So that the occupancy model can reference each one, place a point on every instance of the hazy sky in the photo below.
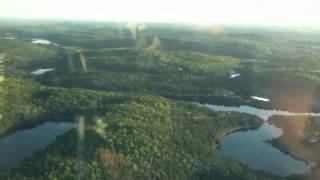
(279, 12)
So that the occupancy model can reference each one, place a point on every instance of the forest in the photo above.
(137, 91)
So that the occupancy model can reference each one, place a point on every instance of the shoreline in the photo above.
(31, 124)
(232, 130)
(275, 144)
(313, 165)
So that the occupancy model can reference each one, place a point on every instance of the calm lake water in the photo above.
(22, 144)
(251, 145)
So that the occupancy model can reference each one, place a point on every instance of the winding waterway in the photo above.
(265, 114)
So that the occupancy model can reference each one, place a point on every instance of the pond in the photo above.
(40, 41)
(43, 42)
(42, 71)
(260, 98)
(234, 75)
(24, 143)
(252, 146)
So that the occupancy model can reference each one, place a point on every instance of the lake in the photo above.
(252, 146)
(24, 143)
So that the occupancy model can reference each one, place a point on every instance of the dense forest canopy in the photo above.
(139, 88)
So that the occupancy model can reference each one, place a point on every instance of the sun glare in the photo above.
(278, 12)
